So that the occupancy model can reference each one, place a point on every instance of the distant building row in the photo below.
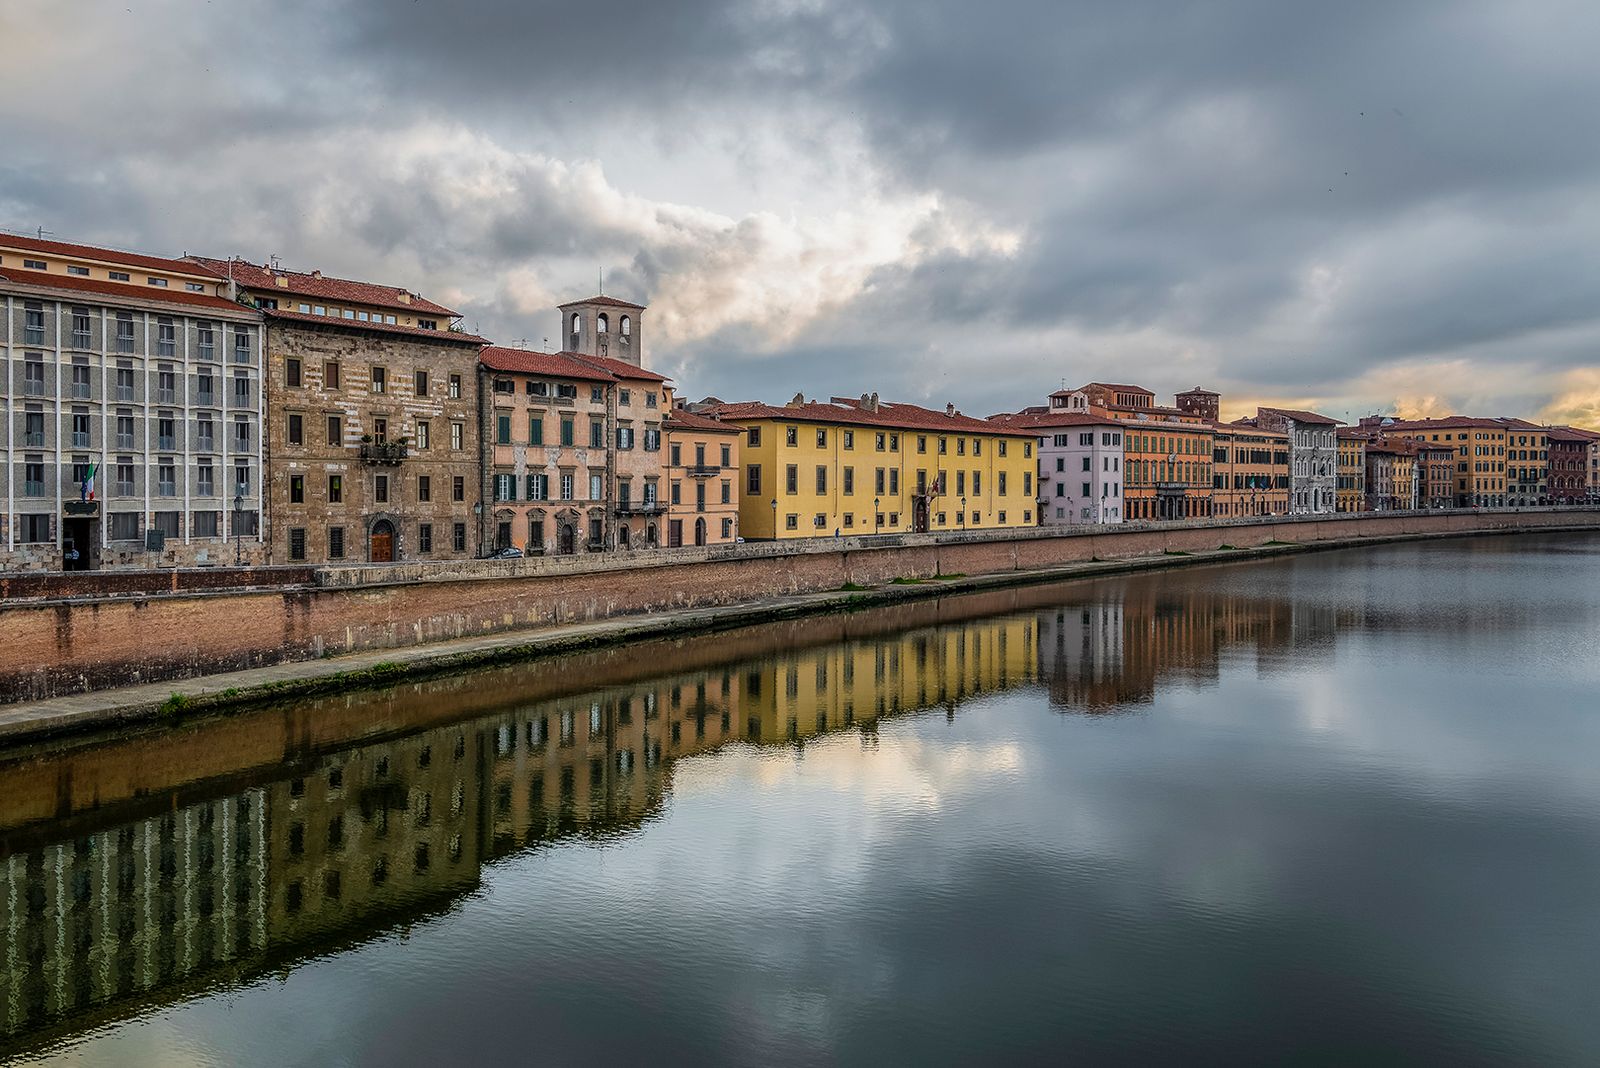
(167, 412)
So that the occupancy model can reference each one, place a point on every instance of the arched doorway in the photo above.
(622, 536)
(380, 543)
(699, 531)
(650, 537)
(566, 539)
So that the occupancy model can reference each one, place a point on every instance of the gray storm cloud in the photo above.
(1363, 206)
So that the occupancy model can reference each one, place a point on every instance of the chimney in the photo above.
(280, 281)
(403, 297)
(950, 410)
(799, 399)
(317, 275)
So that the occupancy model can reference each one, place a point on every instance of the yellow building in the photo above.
(1250, 471)
(869, 467)
(1351, 493)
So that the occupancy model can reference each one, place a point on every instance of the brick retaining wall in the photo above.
(71, 646)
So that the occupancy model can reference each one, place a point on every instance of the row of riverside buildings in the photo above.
(197, 411)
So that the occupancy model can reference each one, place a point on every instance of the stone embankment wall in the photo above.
(61, 646)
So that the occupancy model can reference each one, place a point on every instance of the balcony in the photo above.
(640, 508)
(390, 453)
(703, 470)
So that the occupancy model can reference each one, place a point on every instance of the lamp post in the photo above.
(876, 517)
(774, 519)
(962, 515)
(238, 514)
(477, 521)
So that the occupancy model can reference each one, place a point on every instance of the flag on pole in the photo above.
(86, 488)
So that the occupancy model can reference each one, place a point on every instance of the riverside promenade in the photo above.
(879, 575)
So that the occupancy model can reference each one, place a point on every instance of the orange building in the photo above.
(1480, 447)
(1250, 471)
(702, 479)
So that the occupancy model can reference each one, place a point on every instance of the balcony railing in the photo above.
(640, 508)
(384, 452)
(704, 470)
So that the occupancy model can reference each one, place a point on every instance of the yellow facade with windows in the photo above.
(863, 467)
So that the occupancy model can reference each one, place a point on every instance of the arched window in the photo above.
(577, 331)
(602, 324)
(626, 325)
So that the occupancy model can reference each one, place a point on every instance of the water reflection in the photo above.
(152, 868)
(146, 869)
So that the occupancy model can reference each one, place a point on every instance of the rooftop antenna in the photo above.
(521, 342)
(602, 281)
(272, 258)
(41, 231)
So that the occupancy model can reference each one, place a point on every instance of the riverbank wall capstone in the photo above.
(59, 646)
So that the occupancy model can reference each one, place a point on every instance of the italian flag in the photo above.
(86, 489)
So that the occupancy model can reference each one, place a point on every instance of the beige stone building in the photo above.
(372, 432)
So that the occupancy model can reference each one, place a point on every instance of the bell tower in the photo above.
(604, 326)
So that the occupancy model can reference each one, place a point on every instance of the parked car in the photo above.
(510, 552)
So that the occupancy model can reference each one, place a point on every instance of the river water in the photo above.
(1340, 808)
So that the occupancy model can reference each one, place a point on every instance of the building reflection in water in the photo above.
(149, 868)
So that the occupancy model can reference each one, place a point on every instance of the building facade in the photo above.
(1250, 471)
(1480, 454)
(863, 466)
(132, 397)
(702, 479)
(1392, 476)
(1527, 463)
(1080, 466)
(371, 431)
(1351, 493)
(1313, 457)
(1167, 452)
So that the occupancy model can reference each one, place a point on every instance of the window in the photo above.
(753, 435)
(752, 483)
(166, 431)
(455, 387)
(791, 479)
(166, 479)
(505, 487)
(33, 375)
(727, 456)
(335, 431)
(380, 380)
(241, 345)
(566, 485)
(459, 537)
(335, 489)
(792, 521)
(33, 477)
(336, 543)
(80, 429)
(597, 394)
(623, 396)
(330, 374)
(677, 493)
(727, 492)
(596, 487)
(291, 372)
(419, 383)
(424, 434)
(33, 323)
(205, 479)
(822, 438)
(535, 428)
(297, 543)
(502, 430)
(119, 276)
(241, 434)
(425, 537)
(124, 331)
(597, 434)
(296, 432)
(566, 431)
(849, 480)
(791, 436)
(380, 489)
(458, 488)
(538, 487)
(205, 524)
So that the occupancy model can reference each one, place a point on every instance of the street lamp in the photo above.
(962, 515)
(477, 521)
(774, 519)
(238, 514)
(876, 516)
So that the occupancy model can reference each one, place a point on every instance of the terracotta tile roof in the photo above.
(610, 302)
(124, 291)
(1447, 422)
(1572, 433)
(678, 419)
(70, 251)
(1301, 416)
(1239, 426)
(262, 279)
(620, 368)
(550, 364)
(443, 337)
(1114, 387)
(889, 416)
(1043, 420)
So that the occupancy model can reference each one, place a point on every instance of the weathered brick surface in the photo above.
(56, 647)
(55, 584)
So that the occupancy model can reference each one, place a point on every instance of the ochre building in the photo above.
(864, 466)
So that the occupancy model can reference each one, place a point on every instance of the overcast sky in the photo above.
(1352, 206)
